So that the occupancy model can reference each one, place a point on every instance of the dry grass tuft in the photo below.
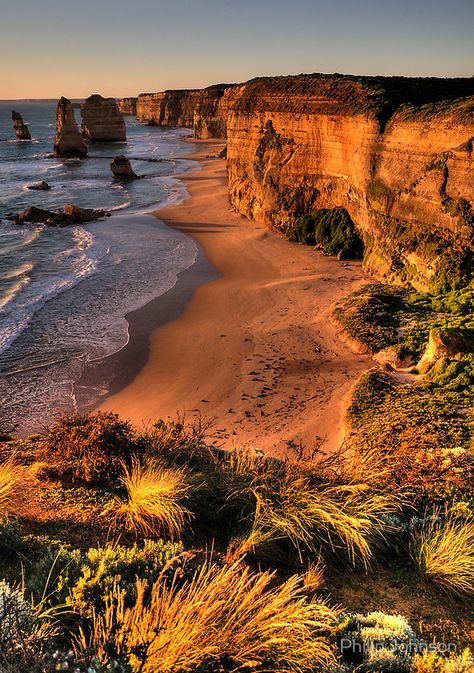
(155, 496)
(344, 517)
(226, 615)
(14, 480)
(444, 552)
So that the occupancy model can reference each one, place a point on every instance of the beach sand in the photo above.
(255, 347)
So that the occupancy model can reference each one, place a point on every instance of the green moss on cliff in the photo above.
(446, 254)
(405, 416)
(332, 229)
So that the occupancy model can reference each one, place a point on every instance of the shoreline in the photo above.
(254, 348)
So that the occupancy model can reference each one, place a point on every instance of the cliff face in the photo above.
(101, 119)
(67, 141)
(396, 153)
(205, 110)
(128, 106)
(168, 108)
(210, 112)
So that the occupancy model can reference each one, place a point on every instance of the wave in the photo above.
(24, 298)
(20, 271)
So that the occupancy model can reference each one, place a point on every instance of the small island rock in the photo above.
(122, 168)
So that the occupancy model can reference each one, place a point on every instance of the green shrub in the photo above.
(90, 447)
(84, 579)
(368, 395)
(376, 641)
(332, 229)
(16, 617)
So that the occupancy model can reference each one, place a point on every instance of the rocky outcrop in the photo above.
(210, 112)
(395, 153)
(442, 343)
(128, 106)
(122, 169)
(70, 214)
(21, 129)
(68, 142)
(101, 120)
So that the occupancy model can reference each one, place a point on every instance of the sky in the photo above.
(50, 48)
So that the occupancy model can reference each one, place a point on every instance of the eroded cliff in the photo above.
(128, 106)
(168, 108)
(204, 110)
(396, 153)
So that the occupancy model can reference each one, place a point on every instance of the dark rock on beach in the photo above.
(40, 186)
(69, 215)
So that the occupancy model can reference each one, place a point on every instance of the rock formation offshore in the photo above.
(68, 142)
(102, 120)
(21, 129)
(122, 169)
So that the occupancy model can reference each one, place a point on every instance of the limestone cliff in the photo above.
(210, 112)
(128, 106)
(67, 141)
(21, 129)
(168, 108)
(202, 109)
(102, 120)
(396, 153)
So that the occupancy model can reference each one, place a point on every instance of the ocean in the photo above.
(64, 293)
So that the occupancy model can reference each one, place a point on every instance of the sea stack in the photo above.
(21, 129)
(122, 169)
(101, 119)
(68, 142)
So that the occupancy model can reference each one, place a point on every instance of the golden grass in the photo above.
(344, 517)
(13, 483)
(226, 614)
(444, 552)
(155, 495)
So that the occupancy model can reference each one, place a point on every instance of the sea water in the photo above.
(65, 292)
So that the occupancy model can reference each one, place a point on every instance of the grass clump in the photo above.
(90, 448)
(443, 552)
(286, 505)
(154, 504)
(332, 229)
(227, 617)
(13, 483)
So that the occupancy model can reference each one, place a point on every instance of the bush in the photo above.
(443, 552)
(222, 619)
(90, 448)
(332, 229)
(430, 662)
(16, 618)
(84, 579)
(376, 641)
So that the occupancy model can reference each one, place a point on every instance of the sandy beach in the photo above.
(254, 346)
